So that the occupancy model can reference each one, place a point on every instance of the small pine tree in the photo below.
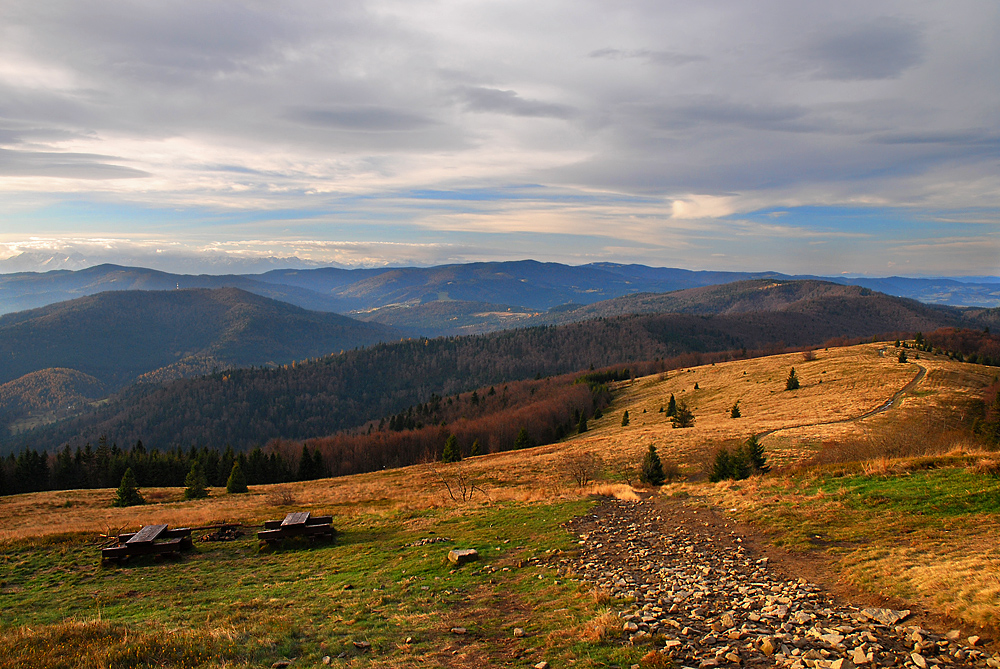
(474, 450)
(792, 383)
(735, 411)
(524, 439)
(237, 482)
(696, 385)
(722, 467)
(902, 355)
(581, 427)
(683, 416)
(195, 482)
(451, 452)
(755, 454)
(625, 418)
(652, 469)
(128, 492)
(672, 406)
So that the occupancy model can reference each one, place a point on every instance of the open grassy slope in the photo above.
(917, 527)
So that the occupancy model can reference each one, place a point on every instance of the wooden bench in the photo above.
(297, 524)
(150, 540)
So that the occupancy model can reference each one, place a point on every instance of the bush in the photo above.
(651, 472)
(746, 460)
(128, 491)
(195, 482)
(237, 482)
(683, 416)
(902, 356)
(792, 383)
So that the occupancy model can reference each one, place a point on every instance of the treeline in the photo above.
(104, 465)
(975, 346)
(249, 407)
(516, 415)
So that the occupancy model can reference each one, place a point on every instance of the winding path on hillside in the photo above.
(892, 402)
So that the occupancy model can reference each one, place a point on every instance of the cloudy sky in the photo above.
(804, 137)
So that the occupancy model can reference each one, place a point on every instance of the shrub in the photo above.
(128, 492)
(743, 462)
(584, 468)
(792, 382)
(651, 472)
(902, 356)
(195, 482)
(237, 481)
(683, 416)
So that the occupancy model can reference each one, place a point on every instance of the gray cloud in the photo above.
(882, 48)
(368, 118)
(63, 165)
(300, 106)
(658, 57)
(498, 101)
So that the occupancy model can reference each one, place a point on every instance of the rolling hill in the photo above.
(118, 336)
(248, 407)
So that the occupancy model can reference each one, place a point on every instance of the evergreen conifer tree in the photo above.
(755, 454)
(902, 355)
(195, 482)
(652, 468)
(735, 411)
(722, 467)
(792, 383)
(625, 418)
(128, 492)
(524, 439)
(237, 482)
(672, 406)
(451, 452)
(581, 427)
(683, 416)
(474, 449)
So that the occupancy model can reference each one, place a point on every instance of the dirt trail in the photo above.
(891, 403)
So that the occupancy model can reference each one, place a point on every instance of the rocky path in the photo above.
(698, 594)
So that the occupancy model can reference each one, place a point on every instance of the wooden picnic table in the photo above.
(297, 524)
(149, 540)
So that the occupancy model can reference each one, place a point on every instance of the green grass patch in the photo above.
(831, 508)
(232, 604)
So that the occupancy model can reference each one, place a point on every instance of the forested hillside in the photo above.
(247, 407)
(118, 336)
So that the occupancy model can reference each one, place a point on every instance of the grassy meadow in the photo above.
(904, 502)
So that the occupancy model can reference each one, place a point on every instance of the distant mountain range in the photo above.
(455, 293)
(158, 335)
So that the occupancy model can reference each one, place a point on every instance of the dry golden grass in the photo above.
(957, 570)
(840, 383)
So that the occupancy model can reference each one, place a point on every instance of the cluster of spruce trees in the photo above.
(105, 465)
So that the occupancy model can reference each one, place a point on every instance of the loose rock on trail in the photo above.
(697, 594)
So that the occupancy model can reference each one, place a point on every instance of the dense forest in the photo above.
(517, 415)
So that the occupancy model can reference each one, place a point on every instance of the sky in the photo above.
(800, 137)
